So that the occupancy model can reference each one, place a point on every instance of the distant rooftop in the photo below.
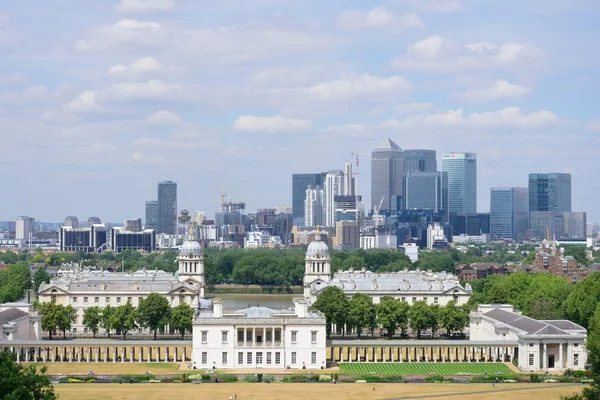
(387, 144)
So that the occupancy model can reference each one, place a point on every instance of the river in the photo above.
(240, 301)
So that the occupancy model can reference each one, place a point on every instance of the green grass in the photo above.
(424, 368)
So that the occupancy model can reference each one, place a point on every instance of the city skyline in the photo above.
(121, 97)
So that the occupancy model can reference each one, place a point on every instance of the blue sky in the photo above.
(101, 99)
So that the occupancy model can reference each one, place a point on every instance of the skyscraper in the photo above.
(314, 212)
(420, 160)
(387, 174)
(300, 182)
(426, 191)
(72, 222)
(334, 186)
(549, 192)
(151, 214)
(509, 212)
(24, 227)
(167, 207)
(349, 188)
(462, 181)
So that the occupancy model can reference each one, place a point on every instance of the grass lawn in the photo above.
(423, 368)
(312, 391)
(111, 368)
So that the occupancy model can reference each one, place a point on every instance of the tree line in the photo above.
(360, 313)
(153, 313)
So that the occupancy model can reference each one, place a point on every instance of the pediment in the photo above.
(49, 290)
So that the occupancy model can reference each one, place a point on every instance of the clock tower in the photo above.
(317, 267)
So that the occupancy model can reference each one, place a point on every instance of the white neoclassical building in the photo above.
(86, 287)
(552, 345)
(259, 337)
(410, 286)
(19, 321)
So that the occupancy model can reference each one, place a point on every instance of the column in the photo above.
(426, 351)
(70, 355)
(167, 354)
(560, 355)
(400, 355)
(545, 355)
(141, 354)
(149, 354)
(569, 356)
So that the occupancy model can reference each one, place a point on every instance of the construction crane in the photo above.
(223, 193)
(357, 157)
(376, 212)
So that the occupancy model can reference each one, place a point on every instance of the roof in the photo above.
(387, 144)
(262, 312)
(529, 325)
(11, 314)
(565, 325)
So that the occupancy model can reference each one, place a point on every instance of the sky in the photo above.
(102, 99)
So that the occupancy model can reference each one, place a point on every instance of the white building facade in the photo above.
(20, 321)
(552, 345)
(259, 337)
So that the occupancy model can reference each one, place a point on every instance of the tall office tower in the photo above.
(349, 188)
(93, 221)
(72, 222)
(167, 208)
(334, 186)
(426, 191)
(509, 213)
(387, 175)
(300, 182)
(549, 192)
(420, 160)
(151, 221)
(557, 225)
(133, 225)
(462, 181)
(24, 227)
(313, 206)
(89, 240)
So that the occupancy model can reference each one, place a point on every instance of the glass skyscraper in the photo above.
(167, 208)
(420, 160)
(301, 182)
(549, 192)
(387, 174)
(509, 212)
(151, 214)
(462, 181)
(426, 191)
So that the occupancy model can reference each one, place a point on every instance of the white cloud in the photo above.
(154, 89)
(144, 6)
(437, 6)
(276, 124)
(4, 19)
(593, 126)
(352, 86)
(12, 79)
(437, 55)
(347, 129)
(125, 34)
(140, 68)
(498, 90)
(83, 103)
(510, 117)
(412, 108)
(378, 17)
(147, 158)
(164, 118)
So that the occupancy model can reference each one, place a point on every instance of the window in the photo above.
(74, 299)
(530, 344)
(96, 299)
(107, 300)
(293, 357)
(269, 336)
(277, 358)
(313, 357)
(294, 336)
(249, 336)
(414, 299)
(74, 330)
(204, 357)
(575, 359)
(576, 344)
(435, 300)
(85, 299)
(224, 336)
(313, 336)
(204, 336)
(240, 358)
(277, 335)
(425, 299)
(249, 358)
(129, 299)
(531, 359)
(269, 358)
(118, 299)
(404, 299)
(259, 357)
(224, 358)
(85, 329)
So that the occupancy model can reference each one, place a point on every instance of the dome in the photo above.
(317, 247)
(190, 247)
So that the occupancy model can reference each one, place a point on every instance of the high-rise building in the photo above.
(300, 182)
(167, 207)
(72, 222)
(151, 214)
(509, 213)
(88, 240)
(557, 225)
(334, 186)
(347, 235)
(123, 239)
(24, 227)
(549, 192)
(314, 210)
(462, 181)
(387, 174)
(133, 225)
(420, 161)
(470, 224)
(93, 221)
(426, 191)
(349, 188)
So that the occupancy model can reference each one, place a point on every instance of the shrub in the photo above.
(569, 372)
(325, 378)
(196, 377)
(534, 378)
(153, 381)
(568, 379)
(268, 378)
(250, 379)
(228, 378)
(301, 378)
(579, 374)
(434, 378)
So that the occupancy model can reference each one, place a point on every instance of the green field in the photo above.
(424, 368)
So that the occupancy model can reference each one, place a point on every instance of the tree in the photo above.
(392, 314)
(579, 253)
(123, 319)
(50, 316)
(182, 318)
(18, 382)
(420, 317)
(362, 312)
(583, 300)
(452, 318)
(40, 276)
(154, 312)
(66, 317)
(92, 318)
(543, 309)
(332, 302)
(435, 321)
(107, 315)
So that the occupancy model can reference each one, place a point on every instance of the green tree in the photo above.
(50, 316)
(435, 321)
(107, 319)
(18, 382)
(66, 317)
(332, 302)
(92, 319)
(362, 312)
(182, 318)
(419, 317)
(392, 314)
(453, 319)
(154, 312)
(123, 319)
(578, 253)
(583, 300)
(40, 276)
(353, 261)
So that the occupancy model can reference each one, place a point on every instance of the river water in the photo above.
(240, 301)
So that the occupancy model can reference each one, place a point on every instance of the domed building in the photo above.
(317, 267)
(191, 264)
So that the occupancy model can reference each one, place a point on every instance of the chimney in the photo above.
(300, 307)
(217, 308)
